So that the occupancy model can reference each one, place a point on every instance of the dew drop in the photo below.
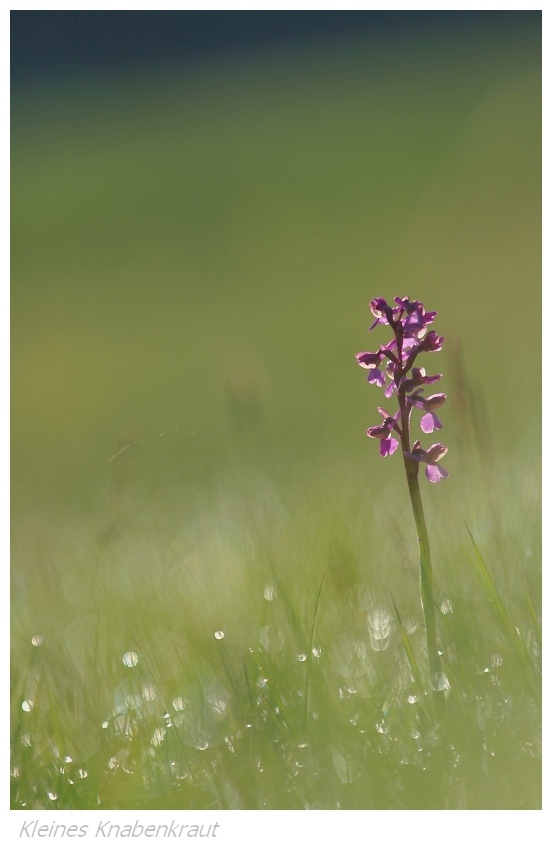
(219, 707)
(130, 659)
(264, 637)
(219, 635)
(379, 626)
(301, 657)
(158, 737)
(149, 693)
(269, 593)
(52, 795)
(27, 705)
(440, 682)
(37, 640)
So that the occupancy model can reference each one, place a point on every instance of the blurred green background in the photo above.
(197, 250)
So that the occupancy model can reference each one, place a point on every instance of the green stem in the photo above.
(426, 569)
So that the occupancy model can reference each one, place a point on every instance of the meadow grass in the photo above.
(229, 615)
(261, 645)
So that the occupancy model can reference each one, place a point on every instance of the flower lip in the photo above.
(434, 471)
(376, 376)
(388, 444)
(415, 322)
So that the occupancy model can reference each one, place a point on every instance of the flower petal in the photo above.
(434, 472)
(427, 423)
(388, 446)
(376, 376)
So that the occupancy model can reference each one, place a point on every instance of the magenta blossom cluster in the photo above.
(392, 366)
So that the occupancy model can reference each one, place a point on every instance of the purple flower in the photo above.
(388, 444)
(429, 421)
(407, 305)
(408, 349)
(431, 342)
(418, 378)
(392, 369)
(371, 360)
(434, 471)
(382, 311)
(416, 321)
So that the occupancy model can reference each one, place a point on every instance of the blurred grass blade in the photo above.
(409, 652)
(532, 612)
(492, 593)
(310, 655)
(518, 643)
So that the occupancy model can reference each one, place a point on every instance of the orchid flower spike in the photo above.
(392, 368)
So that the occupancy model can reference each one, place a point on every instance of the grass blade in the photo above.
(409, 652)
(518, 644)
(310, 656)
